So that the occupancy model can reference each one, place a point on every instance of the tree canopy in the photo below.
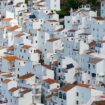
(67, 4)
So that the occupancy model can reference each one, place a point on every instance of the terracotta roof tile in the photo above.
(19, 35)
(102, 102)
(53, 39)
(50, 13)
(47, 66)
(11, 28)
(99, 18)
(92, 44)
(50, 81)
(52, 21)
(11, 58)
(13, 89)
(6, 81)
(67, 87)
(26, 76)
(26, 46)
(6, 19)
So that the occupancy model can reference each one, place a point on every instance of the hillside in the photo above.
(67, 4)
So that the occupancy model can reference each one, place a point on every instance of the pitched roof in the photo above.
(50, 81)
(25, 91)
(67, 87)
(50, 13)
(11, 28)
(19, 35)
(26, 76)
(53, 39)
(6, 19)
(11, 58)
(10, 48)
(13, 89)
(84, 34)
(26, 46)
(92, 44)
(52, 21)
(47, 66)
(6, 81)
(102, 102)
(101, 41)
(99, 18)
(95, 60)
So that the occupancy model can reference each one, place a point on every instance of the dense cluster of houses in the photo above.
(48, 61)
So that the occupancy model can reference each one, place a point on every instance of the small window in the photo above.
(28, 58)
(60, 94)
(18, 69)
(64, 96)
(93, 66)
(77, 94)
(77, 102)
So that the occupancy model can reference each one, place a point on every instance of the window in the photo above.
(58, 86)
(59, 70)
(89, 66)
(64, 96)
(88, 72)
(18, 69)
(102, 4)
(77, 94)
(93, 75)
(94, 66)
(34, 51)
(1, 79)
(60, 94)
(77, 102)
(88, 81)
(33, 66)
(78, 21)
(18, 75)
(35, 34)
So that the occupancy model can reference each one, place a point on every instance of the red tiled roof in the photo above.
(26, 76)
(11, 58)
(50, 81)
(26, 46)
(6, 81)
(53, 39)
(6, 19)
(13, 89)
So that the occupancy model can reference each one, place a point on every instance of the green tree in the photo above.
(67, 4)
